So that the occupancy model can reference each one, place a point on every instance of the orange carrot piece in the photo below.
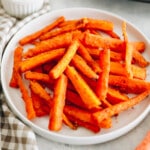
(128, 85)
(41, 108)
(41, 92)
(138, 45)
(67, 22)
(128, 59)
(53, 43)
(83, 67)
(30, 38)
(145, 143)
(114, 56)
(103, 25)
(87, 95)
(117, 68)
(106, 123)
(86, 125)
(58, 69)
(40, 59)
(73, 98)
(27, 99)
(78, 113)
(68, 122)
(81, 117)
(118, 108)
(124, 32)
(114, 96)
(139, 59)
(68, 28)
(83, 51)
(97, 41)
(17, 60)
(56, 113)
(102, 83)
(38, 77)
(112, 34)
(138, 72)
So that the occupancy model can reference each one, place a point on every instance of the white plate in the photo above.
(121, 125)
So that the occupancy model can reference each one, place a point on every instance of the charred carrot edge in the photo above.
(29, 38)
(88, 97)
(116, 109)
(40, 59)
(17, 60)
(58, 69)
(56, 113)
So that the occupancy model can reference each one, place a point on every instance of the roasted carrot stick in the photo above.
(87, 95)
(27, 99)
(80, 114)
(79, 63)
(17, 59)
(64, 29)
(37, 76)
(114, 96)
(128, 85)
(68, 122)
(40, 59)
(97, 41)
(58, 69)
(117, 68)
(138, 45)
(102, 83)
(139, 59)
(116, 109)
(39, 90)
(53, 43)
(41, 108)
(80, 123)
(83, 51)
(114, 56)
(103, 25)
(56, 113)
(35, 35)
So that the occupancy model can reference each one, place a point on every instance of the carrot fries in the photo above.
(80, 73)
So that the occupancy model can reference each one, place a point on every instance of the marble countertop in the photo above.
(137, 13)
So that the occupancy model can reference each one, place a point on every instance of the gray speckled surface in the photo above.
(137, 13)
